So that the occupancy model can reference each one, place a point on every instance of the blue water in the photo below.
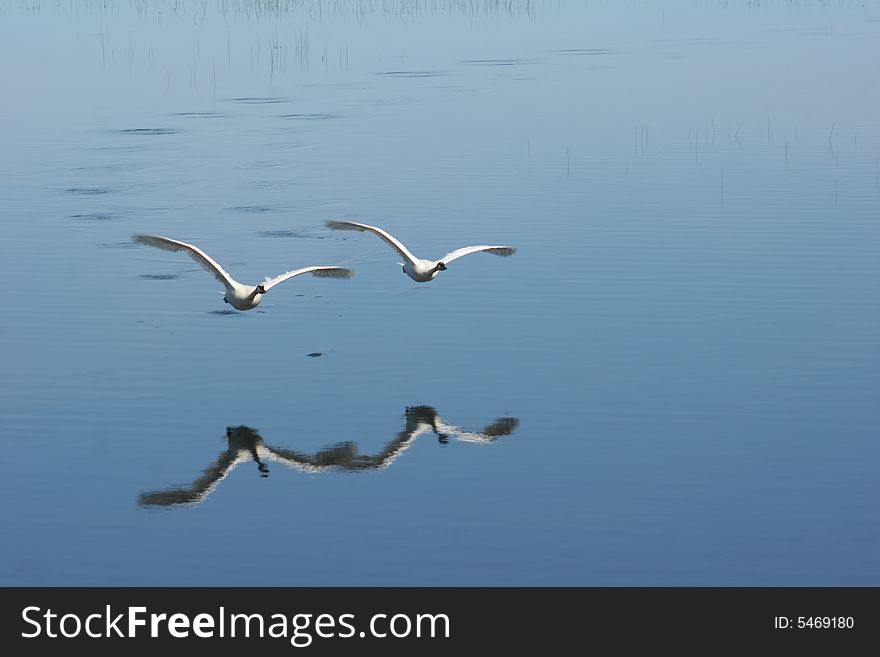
(673, 381)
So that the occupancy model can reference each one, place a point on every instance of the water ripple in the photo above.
(160, 277)
(149, 131)
(497, 62)
(253, 209)
(260, 100)
(95, 216)
(317, 116)
(413, 74)
(585, 51)
(199, 115)
(88, 191)
(290, 234)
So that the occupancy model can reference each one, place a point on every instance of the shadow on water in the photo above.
(245, 444)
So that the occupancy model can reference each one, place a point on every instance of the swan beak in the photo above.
(441, 266)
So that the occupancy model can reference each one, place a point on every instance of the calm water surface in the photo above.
(674, 380)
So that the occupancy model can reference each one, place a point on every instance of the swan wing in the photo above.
(501, 427)
(337, 456)
(391, 452)
(207, 262)
(322, 272)
(389, 239)
(467, 250)
(201, 488)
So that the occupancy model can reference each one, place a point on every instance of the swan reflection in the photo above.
(245, 444)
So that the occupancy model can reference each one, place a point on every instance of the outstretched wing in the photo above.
(501, 427)
(389, 239)
(337, 456)
(202, 487)
(467, 250)
(207, 262)
(322, 272)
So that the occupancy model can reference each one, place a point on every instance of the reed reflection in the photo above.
(245, 444)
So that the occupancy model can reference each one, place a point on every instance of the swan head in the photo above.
(260, 289)
(441, 266)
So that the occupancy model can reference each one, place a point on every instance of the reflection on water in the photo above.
(245, 444)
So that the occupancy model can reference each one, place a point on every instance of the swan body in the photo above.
(420, 269)
(238, 295)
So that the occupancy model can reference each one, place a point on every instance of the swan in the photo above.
(238, 295)
(419, 269)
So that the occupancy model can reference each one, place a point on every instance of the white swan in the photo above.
(419, 269)
(238, 295)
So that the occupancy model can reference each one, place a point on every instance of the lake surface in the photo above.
(674, 381)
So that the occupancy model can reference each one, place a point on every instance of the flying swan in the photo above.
(238, 295)
(418, 269)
